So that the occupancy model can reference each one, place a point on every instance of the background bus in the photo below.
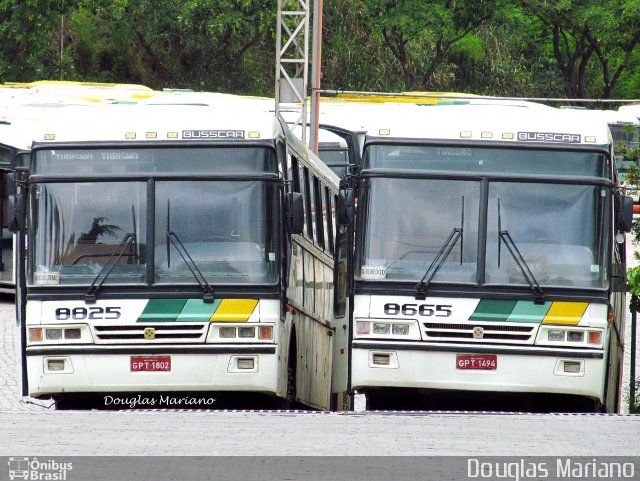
(489, 255)
(178, 249)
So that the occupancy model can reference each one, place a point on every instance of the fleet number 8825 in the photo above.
(427, 310)
(78, 313)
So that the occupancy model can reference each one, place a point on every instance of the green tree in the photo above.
(30, 33)
(593, 41)
(421, 34)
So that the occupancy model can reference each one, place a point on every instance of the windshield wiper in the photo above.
(92, 293)
(456, 234)
(173, 239)
(504, 236)
(207, 291)
(538, 293)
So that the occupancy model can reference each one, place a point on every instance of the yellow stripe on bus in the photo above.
(234, 310)
(568, 313)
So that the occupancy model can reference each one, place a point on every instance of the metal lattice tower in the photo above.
(292, 57)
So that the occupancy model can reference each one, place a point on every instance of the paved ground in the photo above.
(135, 433)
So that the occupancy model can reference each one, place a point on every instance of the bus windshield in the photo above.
(408, 221)
(409, 225)
(227, 227)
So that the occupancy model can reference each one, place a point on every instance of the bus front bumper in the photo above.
(521, 369)
(55, 370)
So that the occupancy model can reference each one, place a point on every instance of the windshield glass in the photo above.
(79, 227)
(558, 229)
(226, 227)
(408, 221)
(337, 159)
(487, 160)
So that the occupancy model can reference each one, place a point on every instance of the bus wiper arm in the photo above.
(207, 291)
(445, 250)
(538, 293)
(92, 293)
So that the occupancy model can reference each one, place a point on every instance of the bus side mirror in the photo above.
(346, 207)
(10, 183)
(15, 212)
(296, 213)
(625, 214)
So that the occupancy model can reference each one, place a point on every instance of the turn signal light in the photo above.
(265, 332)
(595, 337)
(35, 334)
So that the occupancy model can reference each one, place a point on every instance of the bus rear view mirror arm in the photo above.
(346, 206)
(15, 212)
(625, 214)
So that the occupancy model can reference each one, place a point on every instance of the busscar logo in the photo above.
(554, 137)
(34, 469)
(212, 134)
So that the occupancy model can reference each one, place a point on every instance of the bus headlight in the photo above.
(59, 335)
(387, 329)
(241, 333)
(573, 337)
(556, 336)
(400, 329)
(381, 328)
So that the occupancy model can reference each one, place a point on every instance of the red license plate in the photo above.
(487, 362)
(156, 363)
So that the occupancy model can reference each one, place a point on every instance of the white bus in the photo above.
(489, 254)
(175, 250)
(22, 110)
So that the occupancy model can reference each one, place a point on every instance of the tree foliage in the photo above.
(574, 48)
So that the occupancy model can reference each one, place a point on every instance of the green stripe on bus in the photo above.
(492, 310)
(195, 310)
(528, 311)
(162, 310)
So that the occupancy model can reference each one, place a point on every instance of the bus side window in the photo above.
(340, 272)
(328, 225)
(303, 190)
(319, 211)
(333, 205)
(294, 174)
(308, 206)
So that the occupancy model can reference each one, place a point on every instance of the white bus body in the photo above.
(162, 258)
(486, 255)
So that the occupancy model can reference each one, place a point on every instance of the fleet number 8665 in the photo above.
(427, 310)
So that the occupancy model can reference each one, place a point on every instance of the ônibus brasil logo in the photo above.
(34, 469)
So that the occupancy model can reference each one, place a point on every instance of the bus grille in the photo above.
(133, 333)
(494, 333)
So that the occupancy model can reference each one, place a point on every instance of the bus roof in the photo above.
(167, 122)
(481, 122)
